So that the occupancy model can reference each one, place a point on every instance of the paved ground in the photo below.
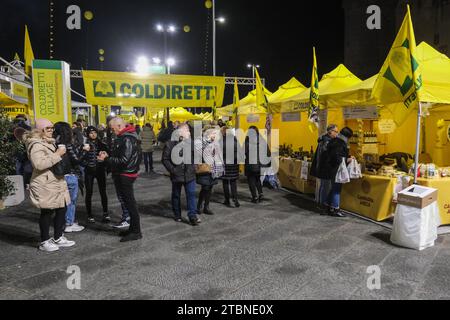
(276, 250)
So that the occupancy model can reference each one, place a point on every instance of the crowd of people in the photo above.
(64, 160)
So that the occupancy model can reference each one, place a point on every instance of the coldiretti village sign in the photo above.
(158, 91)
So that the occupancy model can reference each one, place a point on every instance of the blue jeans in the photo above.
(324, 191)
(189, 188)
(72, 184)
(334, 198)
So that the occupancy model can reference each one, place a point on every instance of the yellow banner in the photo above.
(14, 110)
(103, 113)
(157, 91)
(52, 99)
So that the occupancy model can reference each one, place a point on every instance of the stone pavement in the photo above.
(280, 249)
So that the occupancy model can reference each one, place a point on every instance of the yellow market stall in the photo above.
(297, 140)
(374, 195)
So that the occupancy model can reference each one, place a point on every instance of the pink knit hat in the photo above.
(41, 124)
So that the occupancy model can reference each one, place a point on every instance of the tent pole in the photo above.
(416, 162)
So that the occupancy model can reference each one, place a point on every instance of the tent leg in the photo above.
(416, 161)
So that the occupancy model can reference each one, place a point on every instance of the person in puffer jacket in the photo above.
(95, 170)
(48, 192)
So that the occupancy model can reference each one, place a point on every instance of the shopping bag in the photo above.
(342, 175)
(305, 170)
(354, 170)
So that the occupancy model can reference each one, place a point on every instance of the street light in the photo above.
(170, 63)
(220, 20)
(142, 66)
(156, 60)
(253, 66)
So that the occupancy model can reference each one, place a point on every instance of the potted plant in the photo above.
(8, 151)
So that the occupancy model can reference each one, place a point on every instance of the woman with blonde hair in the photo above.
(48, 188)
(210, 152)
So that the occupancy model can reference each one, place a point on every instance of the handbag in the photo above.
(342, 175)
(203, 168)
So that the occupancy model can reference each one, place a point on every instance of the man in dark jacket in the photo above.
(124, 161)
(319, 165)
(178, 159)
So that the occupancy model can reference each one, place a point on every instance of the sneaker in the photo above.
(236, 203)
(131, 237)
(106, 218)
(254, 200)
(178, 220)
(48, 246)
(336, 213)
(122, 225)
(194, 221)
(91, 220)
(261, 198)
(227, 203)
(73, 228)
(63, 242)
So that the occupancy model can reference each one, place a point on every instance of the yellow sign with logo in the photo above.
(14, 110)
(51, 90)
(156, 91)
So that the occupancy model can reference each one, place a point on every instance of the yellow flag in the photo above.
(235, 98)
(314, 103)
(400, 79)
(28, 52)
(261, 99)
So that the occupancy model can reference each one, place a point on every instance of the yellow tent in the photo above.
(335, 81)
(436, 82)
(291, 88)
(178, 114)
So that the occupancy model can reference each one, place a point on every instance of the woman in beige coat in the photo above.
(47, 191)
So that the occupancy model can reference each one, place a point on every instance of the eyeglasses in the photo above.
(50, 128)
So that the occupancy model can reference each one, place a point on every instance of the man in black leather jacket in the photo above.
(182, 173)
(124, 162)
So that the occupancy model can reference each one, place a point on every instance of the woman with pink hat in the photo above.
(48, 189)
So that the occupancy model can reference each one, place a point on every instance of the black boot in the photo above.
(236, 203)
(207, 199)
(200, 202)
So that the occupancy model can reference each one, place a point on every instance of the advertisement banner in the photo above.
(157, 91)
(51, 91)
(370, 113)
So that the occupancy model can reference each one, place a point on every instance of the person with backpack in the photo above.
(48, 188)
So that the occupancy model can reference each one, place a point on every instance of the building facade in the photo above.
(365, 49)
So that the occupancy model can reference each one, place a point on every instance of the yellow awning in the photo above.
(357, 95)
(247, 105)
(337, 80)
(6, 100)
(291, 88)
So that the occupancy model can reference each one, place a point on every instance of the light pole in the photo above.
(253, 66)
(220, 20)
(165, 30)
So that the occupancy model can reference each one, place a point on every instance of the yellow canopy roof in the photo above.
(247, 105)
(291, 88)
(6, 100)
(337, 80)
(436, 82)
(178, 114)
(357, 95)
(435, 74)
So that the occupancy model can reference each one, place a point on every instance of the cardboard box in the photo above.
(417, 196)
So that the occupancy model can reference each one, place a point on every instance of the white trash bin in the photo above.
(416, 223)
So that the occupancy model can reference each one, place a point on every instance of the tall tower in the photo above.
(365, 50)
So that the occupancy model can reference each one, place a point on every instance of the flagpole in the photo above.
(416, 161)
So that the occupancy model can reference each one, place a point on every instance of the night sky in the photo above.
(278, 35)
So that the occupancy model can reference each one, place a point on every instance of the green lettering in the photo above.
(176, 92)
(208, 92)
(199, 91)
(125, 89)
(147, 92)
(159, 91)
(138, 90)
(168, 91)
(188, 93)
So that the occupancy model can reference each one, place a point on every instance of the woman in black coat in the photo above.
(254, 145)
(337, 149)
(230, 159)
